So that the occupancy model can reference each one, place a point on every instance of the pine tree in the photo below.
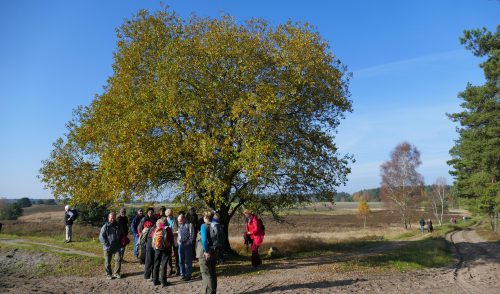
(476, 154)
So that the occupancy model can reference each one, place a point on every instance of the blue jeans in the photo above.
(136, 245)
(185, 259)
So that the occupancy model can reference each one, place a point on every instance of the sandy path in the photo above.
(477, 271)
(22, 242)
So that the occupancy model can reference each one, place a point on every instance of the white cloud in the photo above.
(404, 64)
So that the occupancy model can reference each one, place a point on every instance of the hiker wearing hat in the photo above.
(135, 231)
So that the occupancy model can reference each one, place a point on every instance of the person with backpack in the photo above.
(206, 255)
(146, 251)
(162, 245)
(135, 231)
(70, 216)
(185, 240)
(255, 231)
(219, 237)
(171, 222)
(109, 237)
(122, 221)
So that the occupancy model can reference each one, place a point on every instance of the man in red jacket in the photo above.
(255, 232)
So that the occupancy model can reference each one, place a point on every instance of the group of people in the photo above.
(162, 241)
(422, 224)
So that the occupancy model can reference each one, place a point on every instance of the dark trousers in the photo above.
(142, 255)
(256, 261)
(161, 258)
(208, 275)
(171, 260)
(149, 262)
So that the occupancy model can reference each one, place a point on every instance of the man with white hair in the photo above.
(69, 217)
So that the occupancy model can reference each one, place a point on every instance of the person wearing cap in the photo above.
(69, 217)
(134, 228)
(122, 221)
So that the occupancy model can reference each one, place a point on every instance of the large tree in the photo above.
(476, 154)
(402, 185)
(230, 114)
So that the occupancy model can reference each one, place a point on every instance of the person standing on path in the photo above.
(110, 240)
(206, 256)
(147, 253)
(69, 218)
(134, 228)
(192, 218)
(421, 222)
(255, 231)
(162, 244)
(185, 240)
(122, 221)
(172, 223)
(430, 228)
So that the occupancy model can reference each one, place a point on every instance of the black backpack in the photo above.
(75, 214)
(217, 235)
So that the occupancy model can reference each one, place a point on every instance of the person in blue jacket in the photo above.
(133, 228)
(206, 255)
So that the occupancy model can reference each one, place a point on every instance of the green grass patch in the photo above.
(56, 263)
(428, 253)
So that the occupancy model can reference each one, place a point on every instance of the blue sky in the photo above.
(407, 64)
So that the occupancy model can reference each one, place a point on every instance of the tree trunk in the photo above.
(225, 220)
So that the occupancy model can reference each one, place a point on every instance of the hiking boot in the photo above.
(109, 277)
(156, 283)
(165, 284)
(118, 276)
(186, 278)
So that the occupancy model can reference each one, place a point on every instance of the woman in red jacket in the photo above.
(254, 230)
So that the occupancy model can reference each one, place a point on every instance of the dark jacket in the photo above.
(148, 221)
(123, 223)
(110, 236)
(69, 217)
(135, 223)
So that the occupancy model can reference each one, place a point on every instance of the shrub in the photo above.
(50, 202)
(24, 202)
(9, 210)
(94, 214)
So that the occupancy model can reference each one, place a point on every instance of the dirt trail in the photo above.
(478, 266)
(477, 271)
(55, 248)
